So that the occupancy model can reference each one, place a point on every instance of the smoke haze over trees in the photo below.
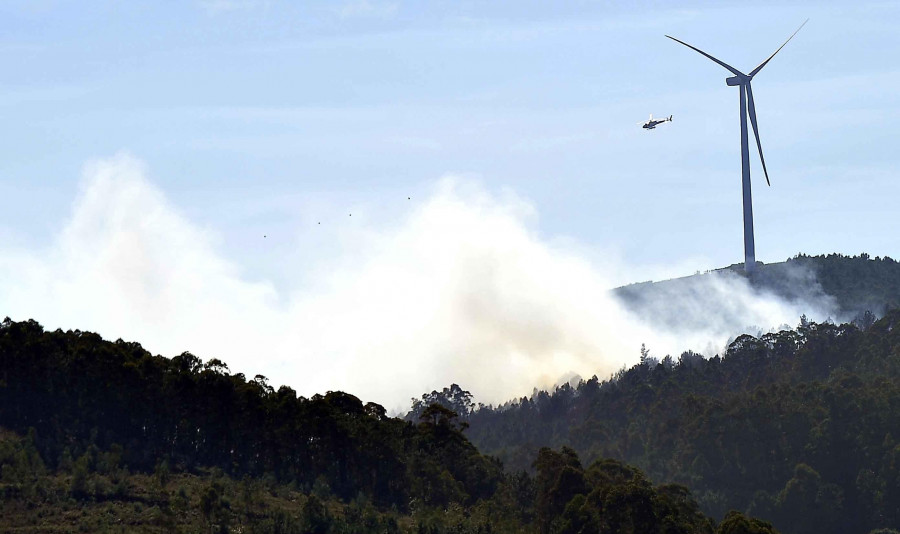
(460, 286)
(797, 427)
(789, 424)
(97, 425)
(835, 286)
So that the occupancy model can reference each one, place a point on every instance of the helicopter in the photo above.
(651, 124)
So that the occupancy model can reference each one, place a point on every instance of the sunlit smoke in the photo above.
(463, 290)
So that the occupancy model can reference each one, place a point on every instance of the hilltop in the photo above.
(842, 287)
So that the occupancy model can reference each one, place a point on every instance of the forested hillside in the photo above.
(798, 427)
(98, 436)
(858, 283)
(844, 286)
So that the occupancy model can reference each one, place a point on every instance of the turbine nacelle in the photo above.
(735, 80)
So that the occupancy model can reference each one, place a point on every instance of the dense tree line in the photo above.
(858, 283)
(78, 391)
(798, 427)
(97, 494)
(124, 440)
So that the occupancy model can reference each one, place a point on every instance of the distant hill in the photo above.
(846, 287)
(858, 283)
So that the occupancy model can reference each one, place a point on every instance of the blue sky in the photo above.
(279, 119)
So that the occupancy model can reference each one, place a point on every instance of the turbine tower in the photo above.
(743, 82)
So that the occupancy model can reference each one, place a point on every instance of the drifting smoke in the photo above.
(703, 310)
(461, 291)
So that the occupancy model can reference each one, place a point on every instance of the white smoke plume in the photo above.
(704, 312)
(461, 290)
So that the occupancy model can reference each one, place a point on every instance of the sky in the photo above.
(383, 196)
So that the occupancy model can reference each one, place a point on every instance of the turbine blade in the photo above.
(752, 109)
(727, 66)
(763, 64)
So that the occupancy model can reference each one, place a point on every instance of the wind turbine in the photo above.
(743, 81)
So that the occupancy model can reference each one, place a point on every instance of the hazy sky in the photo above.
(196, 149)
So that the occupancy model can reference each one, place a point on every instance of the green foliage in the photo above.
(559, 479)
(737, 523)
(162, 445)
(20, 461)
(860, 287)
(214, 507)
(159, 415)
(162, 473)
(78, 487)
(315, 518)
(795, 427)
(454, 399)
(609, 497)
(858, 283)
